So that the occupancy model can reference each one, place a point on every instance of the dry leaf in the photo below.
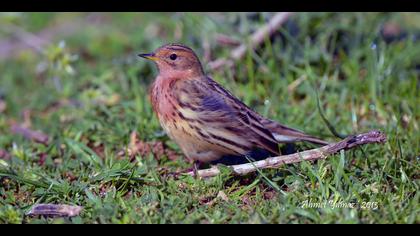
(55, 210)
(3, 106)
(36, 136)
(4, 154)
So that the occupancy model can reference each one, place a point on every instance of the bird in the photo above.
(206, 120)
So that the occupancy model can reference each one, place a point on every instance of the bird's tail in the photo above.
(284, 134)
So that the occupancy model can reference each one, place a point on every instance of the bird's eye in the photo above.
(173, 57)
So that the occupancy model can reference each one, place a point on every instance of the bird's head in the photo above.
(175, 59)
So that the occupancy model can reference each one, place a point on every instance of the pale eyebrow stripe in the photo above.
(178, 48)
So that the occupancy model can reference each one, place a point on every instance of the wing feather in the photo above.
(227, 118)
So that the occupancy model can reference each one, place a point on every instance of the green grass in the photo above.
(363, 83)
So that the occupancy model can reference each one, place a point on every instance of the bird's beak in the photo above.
(150, 56)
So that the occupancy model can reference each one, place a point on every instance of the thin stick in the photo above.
(36, 136)
(26, 37)
(256, 39)
(55, 210)
(350, 142)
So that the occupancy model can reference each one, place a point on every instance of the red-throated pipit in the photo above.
(204, 119)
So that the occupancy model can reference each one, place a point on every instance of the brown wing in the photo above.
(225, 119)
(286, 134)
(281, 133)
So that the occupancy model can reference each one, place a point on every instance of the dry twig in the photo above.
(55, 210)
(36, 136)
(3, 105)
(226, 40)
(256, 39)
(309, 155)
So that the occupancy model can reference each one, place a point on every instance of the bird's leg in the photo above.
(196, 167)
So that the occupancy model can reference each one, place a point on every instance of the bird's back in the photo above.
(225, 118)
